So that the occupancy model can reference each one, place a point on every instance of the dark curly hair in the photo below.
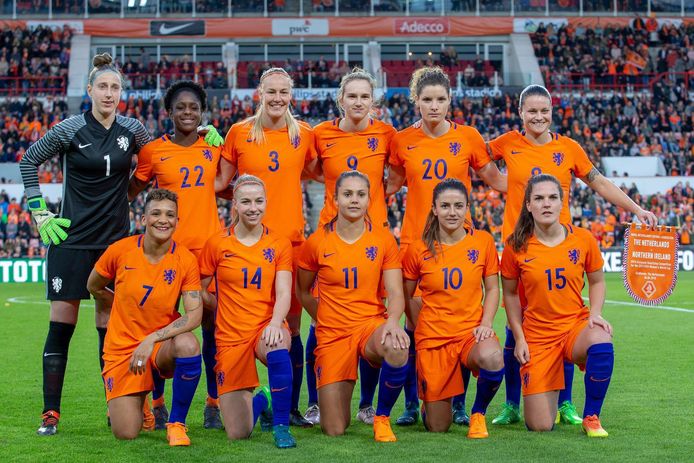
(185, 85)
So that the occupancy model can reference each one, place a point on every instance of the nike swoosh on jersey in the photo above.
(411, 147)
(226, 255)
(530, 260)
(428, 257)
(165, 158)
(515, 152)
(328, 255)
(129, 268)
(84, 146)
(164, 30)
(330, 145)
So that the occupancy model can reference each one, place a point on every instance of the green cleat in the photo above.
(283, 438)
(265, 417)
(510, 413)
(567, 414)
(409, 416)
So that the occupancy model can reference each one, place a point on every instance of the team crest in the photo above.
(269, 254)
(371, 253)
(296, 141)
(558, 158)
(57, 283)
(319, 372)
(574, 255)
(423, 383)
(526, 379)
(220, 378)
(207, 154)
(454, 148)
(109, 383)
(123, 142)
(169, 275)
(372, 143)
(473, 255)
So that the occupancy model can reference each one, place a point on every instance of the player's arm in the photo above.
(192, 306)
(313, 170)
(96, 285)
(411, 308)
(608, 190)
(491, 175)
(209, 300)
(135, 186)
(396, 179)
(392, 280)
(225, 173)
(273, 334)
(515, 318)
(596, 297)
(489, 308)
(304, 282)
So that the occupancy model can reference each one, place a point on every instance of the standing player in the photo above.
(348, 259)
(533, 151)
(145, 330)
(95, 150)
(184, 163)
(550, 260)
(252, 267)
(275, 147)
(423, 154)
(455, 268)
(354, 141)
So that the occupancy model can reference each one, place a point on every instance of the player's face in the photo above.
(357, 99)
(433, 102)
(545, 203)
(160, 219)
(105, 93)
(450, 208)
(186, 112)
(249, 202)
(536, 114)
(352, 198)
(277, 95)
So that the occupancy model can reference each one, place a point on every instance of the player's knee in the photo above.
(539, 425)
(492, 360)
(598, 335)
(125, 433)
(237, 433)
(438, 425)
(186, 345)
(334, 429)
(396, 357)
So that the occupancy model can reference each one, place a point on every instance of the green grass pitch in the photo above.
(648, 410)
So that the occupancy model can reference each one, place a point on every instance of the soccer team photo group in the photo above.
(352, 230)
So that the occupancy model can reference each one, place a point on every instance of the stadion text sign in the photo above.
(34, 270)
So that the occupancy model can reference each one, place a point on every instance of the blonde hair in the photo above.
(103, 63)
(357, 73)
(244, 179)
(256, 133)
(426, 76)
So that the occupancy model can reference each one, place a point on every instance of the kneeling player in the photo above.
(550, 259)
(145, 331)
(455, 269)
(253, 270)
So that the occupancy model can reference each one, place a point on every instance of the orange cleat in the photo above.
(478, 427)
(382, 429)
(176, 434)
(592, 427)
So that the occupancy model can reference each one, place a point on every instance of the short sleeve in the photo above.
(391, 258)
(229, 150)
(594, 260)
(478, 150)
(308, 253)
(143, 172)
(107, 265)
(311, 152)
(394, 158)
(191, 278)
(509, 264)
(582, 165)
(142, 137)
(411, 263)
(495, 148)
(207, 260)
(491, 263)
(284, 255)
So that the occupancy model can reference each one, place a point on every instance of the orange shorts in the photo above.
(417, 291)
(337, 357)
(236, 368)
(439, 375)
(295, 305)
(545, 370)
(120, 381)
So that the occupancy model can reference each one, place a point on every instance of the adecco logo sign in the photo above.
(421, 26)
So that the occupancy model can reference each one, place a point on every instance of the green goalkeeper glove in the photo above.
(213, 138)
(50, 227)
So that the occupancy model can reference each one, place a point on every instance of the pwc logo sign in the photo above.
(421, 26)
(300, 27)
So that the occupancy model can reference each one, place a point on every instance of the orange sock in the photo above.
(212, 402)
(158, 402)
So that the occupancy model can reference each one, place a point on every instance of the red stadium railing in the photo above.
(558, 81)
(17, 86)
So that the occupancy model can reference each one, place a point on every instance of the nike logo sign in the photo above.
(84, 146)
(46, 354)
(165, 158)
(330, 145)
(229, 255)
(129, 268)
(428, 257)
(530, 260)
(515, 152)
(411, 147)
(278, 389)
(164, 30)
(328, 255)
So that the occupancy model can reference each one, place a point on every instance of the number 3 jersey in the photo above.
(96, 164)
(145, 294)
(552, 278)
(189, 171)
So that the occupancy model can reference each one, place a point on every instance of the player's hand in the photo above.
(521, 352)
(138, 362)
(50, 227)
(272, 335)
(482, 332)
(597, 320)
(647, 217)
(212, 137)
(399, 338)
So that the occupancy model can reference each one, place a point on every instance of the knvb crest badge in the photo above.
(574, 255)
(454, 148)
(371, 253)
(57, 284)
(296, 141)
(123, 142)
(220, 378)
(269, 254)
(169, 275)
(109, 383)
(558, 158)
(473, 255)
(207, 154)
(372, 143)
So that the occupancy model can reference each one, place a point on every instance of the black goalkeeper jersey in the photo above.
(96, 166)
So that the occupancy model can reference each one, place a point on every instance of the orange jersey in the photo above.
(552, 278)
(245, 277)
(279, 164)
(189, 171)
(452, 286)
(562, 157)
(349, 276)
(146, 295)
(427, 161)
(365, 151)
